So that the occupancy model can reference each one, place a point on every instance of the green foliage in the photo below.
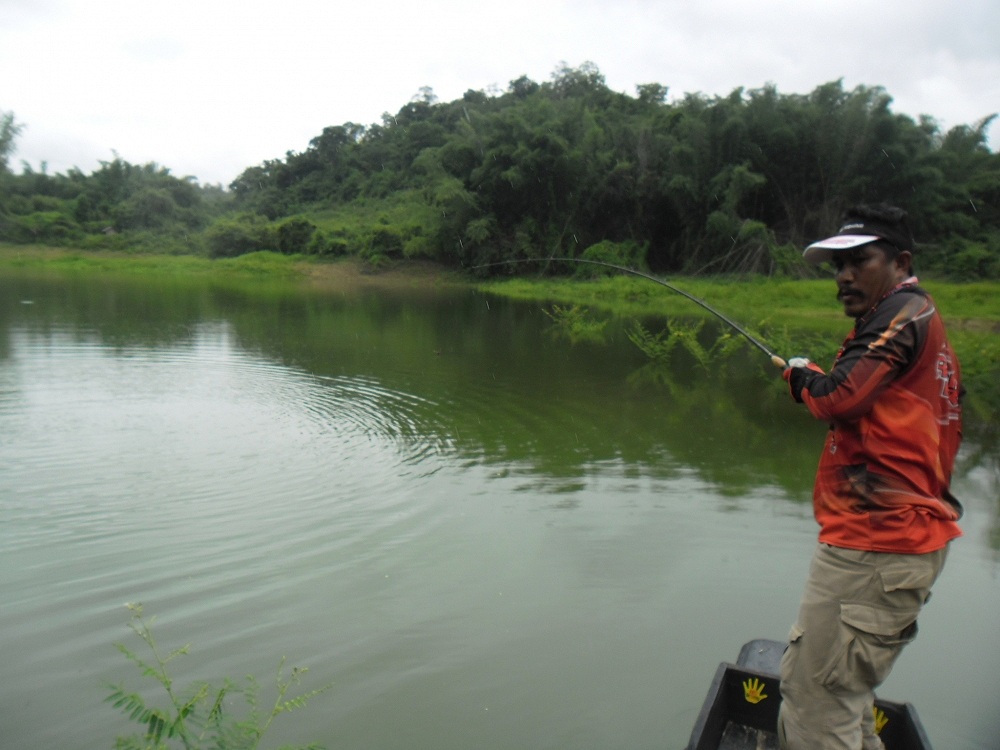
(9, 131)
(147, 208)
(975, 262)
(979, 353)
(294, 235)
(660, 347)
(321, 243)
(149, 242)
(657, 346)
(53, 227)
(384, 242)
(786, 261)
(229, 237)
(94, 211)
(627, 254)
(576, 324)
(199, 715)
(733, 184)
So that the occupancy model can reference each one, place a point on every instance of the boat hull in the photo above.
(740, 711)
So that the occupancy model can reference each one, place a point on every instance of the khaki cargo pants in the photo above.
(858, 611)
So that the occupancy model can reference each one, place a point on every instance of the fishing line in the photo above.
(775, 359)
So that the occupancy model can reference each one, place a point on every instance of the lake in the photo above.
(479, 532)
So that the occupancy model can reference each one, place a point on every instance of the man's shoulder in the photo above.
(909, 302)
(905, 315)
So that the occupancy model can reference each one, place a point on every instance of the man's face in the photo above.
(865, 275)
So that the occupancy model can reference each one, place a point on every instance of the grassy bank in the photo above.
(809, 304)
(37, 257)
(346, 272)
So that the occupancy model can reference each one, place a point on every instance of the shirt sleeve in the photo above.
(882, 348)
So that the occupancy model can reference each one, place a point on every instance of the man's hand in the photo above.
(799, 373)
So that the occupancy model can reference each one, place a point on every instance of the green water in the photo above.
(483, 534)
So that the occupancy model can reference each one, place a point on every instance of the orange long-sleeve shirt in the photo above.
(893, 403)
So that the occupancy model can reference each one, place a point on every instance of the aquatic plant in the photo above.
(576, 323)
(660, 346)
(199, 715)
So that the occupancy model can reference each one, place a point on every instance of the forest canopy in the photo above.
(705, 184)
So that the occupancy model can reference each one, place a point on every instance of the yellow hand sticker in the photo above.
(753, 690)
(880, 719)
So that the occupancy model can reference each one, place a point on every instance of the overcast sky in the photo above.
(209, 87)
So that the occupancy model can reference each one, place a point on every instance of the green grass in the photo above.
(263, 264)
(802, 303)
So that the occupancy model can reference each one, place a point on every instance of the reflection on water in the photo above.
(483, 535)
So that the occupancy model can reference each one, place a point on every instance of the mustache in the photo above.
(847, 291)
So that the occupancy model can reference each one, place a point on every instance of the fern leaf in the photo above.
(130, 704)
(215, 713)
(155, 725)
(301, 700)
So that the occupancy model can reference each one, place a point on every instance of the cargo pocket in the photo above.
(869, 640)
(908, 580)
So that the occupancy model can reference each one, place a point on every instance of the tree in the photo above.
(10, 129)
(727, 183)
(652, 93)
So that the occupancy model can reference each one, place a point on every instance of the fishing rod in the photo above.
(775, 359)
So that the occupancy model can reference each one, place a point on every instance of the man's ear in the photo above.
(904, 261)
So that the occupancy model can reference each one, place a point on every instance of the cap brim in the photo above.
(822, 251)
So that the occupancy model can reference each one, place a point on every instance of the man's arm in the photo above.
(882, 348)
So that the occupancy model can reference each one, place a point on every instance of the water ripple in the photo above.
(199, 444)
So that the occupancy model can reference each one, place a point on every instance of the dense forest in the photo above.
(731, 184)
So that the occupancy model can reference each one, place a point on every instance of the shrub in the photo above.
(323, 244)
(227, 238)
(41, 226)
(293, 235)
(974, 262)
(385, 241)
(628, 254)
(148, 208)
(419, 246)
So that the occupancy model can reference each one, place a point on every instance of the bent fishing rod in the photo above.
(775, 359)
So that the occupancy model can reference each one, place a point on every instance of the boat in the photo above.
(740, 711)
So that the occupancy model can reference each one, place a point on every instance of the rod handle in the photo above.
(778, 362)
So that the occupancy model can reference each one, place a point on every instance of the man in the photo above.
(881, 495)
